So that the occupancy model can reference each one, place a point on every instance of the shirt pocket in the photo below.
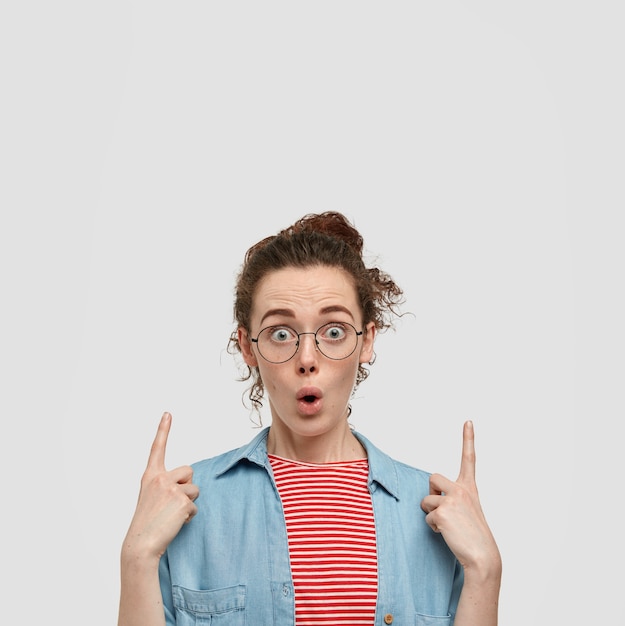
(217, 607)
(433, 620)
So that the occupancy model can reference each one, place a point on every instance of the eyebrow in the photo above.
(334, 308)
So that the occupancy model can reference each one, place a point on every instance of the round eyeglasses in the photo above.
(335, 340)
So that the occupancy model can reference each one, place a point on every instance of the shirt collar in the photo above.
(382, 470)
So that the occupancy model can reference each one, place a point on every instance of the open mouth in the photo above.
(309, 397)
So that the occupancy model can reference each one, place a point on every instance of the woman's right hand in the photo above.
(166, 502)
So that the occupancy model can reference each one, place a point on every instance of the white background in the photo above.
(477, 146)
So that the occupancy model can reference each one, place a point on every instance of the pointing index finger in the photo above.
(467, 464)
(156, 460)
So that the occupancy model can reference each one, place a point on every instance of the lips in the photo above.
(309, 394)
(309, 400)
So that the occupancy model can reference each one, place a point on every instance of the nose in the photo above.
(307, 353)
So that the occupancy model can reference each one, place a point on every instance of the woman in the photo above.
(308, 524)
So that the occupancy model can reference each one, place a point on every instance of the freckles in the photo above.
(345, 379)
(272, 381)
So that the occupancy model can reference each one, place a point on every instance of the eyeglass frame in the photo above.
(358, 334)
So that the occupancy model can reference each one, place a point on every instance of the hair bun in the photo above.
(330, 223)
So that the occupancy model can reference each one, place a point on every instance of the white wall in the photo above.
(479, 148)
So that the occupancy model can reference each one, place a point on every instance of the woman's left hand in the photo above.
(454, 510)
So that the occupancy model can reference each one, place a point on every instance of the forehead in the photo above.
(305, 290)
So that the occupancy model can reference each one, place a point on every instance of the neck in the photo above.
(329, 447)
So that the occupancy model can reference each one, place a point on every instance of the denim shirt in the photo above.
(229, 566)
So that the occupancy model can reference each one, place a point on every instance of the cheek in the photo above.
(346, 376)
(270, 376)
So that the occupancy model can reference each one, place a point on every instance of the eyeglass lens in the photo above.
(335, 340)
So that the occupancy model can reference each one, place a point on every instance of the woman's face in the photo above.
(308, 394)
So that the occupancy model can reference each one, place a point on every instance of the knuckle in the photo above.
(174, 490)
(149, 478)
(160, 480)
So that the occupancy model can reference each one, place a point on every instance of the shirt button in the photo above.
(388, 618)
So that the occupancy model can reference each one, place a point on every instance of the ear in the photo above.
(246, 347)
(368, 337)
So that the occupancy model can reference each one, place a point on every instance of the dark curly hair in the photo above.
(317, 239)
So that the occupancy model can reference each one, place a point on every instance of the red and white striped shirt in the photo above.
(331, 535)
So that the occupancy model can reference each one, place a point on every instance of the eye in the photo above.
(281, 334)
(334, 331)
